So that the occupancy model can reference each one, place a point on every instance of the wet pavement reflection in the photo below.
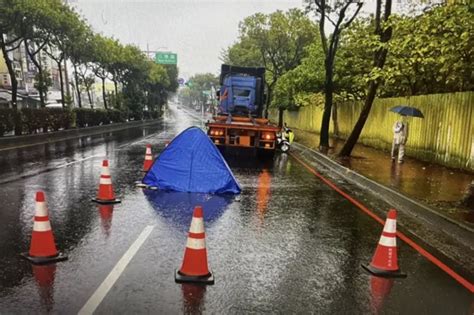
(288, 244)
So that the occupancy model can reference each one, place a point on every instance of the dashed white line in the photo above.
(141, 140)
(78, 161)
(99, 294)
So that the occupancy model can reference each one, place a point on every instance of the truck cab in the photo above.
(239, 123)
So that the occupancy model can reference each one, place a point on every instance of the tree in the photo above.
(336, 15)
(384, 32)
(431, 53)
(275, 41)
(42, 84)
(9, 41)
(66, 35)
(101, 60)
(79, 52)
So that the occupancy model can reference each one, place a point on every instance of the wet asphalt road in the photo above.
(289, 245)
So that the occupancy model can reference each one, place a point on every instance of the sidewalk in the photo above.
(437, 186)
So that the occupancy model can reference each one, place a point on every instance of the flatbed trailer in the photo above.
(243, 132)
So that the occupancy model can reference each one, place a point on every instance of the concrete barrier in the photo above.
(11, 142)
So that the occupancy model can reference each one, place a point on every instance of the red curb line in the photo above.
(468, 285)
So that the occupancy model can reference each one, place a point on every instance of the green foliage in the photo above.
(33, 119)
(295, 87)
(43, 82)
(57, 118)
(53, 27)
(430, 53)
(276, 41)
(194, 93)
(6, 120)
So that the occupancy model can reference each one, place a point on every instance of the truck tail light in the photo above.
(216, 132)
(268, 136)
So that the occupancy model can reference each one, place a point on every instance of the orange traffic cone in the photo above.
(148, 158)
(42, 248)
(194, 268)
(106, 192)
(379, 290)
(385, 260)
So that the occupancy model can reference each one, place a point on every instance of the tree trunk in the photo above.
(328, 95)
(41, 93)
(116, 94)
(78, 90)
(40, 72)
(90, 97)
(61, 82)
(269, 98)
(11, 72)
(104, 97)
(14, 82)
(66, 78)
(281, 111)
(335, 123)
(379, 62)
(354, 136)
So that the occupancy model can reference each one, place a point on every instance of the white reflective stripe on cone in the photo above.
(41, 209)
(196, 243)
(148, 157)
(197, 225)
(148, 150)
(390, 226)
(388, 241)
(105, 170)
(105, 181)
(41, 226)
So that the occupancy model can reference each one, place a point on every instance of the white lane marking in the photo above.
(78, 161)
(138, 141)
(99, 294)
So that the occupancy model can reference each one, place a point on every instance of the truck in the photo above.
(239, 122)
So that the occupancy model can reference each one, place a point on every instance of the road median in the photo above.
(13, 142)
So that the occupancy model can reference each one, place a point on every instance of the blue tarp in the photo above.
(192, 163)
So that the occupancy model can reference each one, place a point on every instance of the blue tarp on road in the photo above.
(192, 163)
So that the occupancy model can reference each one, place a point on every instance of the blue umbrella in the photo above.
(407, 111)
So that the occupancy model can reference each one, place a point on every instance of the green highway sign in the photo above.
(166, 58)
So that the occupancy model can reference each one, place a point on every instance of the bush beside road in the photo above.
(39, 120)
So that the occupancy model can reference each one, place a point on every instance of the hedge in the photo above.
(36, 120)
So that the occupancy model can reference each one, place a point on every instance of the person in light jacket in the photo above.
(400, 137)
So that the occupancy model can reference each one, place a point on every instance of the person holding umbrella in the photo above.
(400, 130)
(400, 138)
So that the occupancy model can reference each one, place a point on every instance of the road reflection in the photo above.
(193, 297)
(263, 193)
(44, 277)
(380, 289)
(177, 207)
(106, 212)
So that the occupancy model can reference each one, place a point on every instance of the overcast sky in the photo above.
(197, 30)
